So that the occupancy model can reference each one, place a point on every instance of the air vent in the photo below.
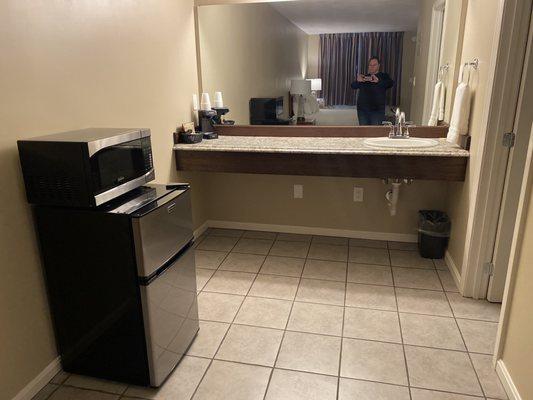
(53, 190)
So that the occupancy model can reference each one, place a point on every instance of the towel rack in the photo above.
(443, 69)
(474, 64)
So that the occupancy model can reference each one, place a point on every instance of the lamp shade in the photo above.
(300, 86)
(316, 84)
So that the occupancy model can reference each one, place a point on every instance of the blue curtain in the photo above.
(344, 55)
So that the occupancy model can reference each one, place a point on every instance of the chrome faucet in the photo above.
(400, 129)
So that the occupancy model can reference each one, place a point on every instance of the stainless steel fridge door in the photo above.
(170, 314)
(162, 232)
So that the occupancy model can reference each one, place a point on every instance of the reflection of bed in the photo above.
(340, 116)
(345, 116)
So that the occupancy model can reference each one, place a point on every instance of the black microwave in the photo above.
(86, 167)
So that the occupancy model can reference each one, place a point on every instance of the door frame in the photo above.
(516, 168)
(434, 52)
(527, 183)
(489, 172)
(521, 215)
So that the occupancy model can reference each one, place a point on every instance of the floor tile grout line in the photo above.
(400, 327)
(226, 333)
(285, 329)
(321, 279)
(342, 332)
(53, 391)
(333, 280)
(224, 259)
(466, 347)
(387, 242)
(86, 389)
(327, 280)
(322, 374)
(344, 336)
(433, 268)
(260, 365)
(351, 306)
(340, 376)
(233, 323)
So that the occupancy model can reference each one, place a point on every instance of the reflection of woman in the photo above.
(372, 88)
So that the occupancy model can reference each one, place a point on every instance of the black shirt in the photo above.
(372, 95)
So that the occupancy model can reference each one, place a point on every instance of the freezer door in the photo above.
(162, 232)
(170, 314)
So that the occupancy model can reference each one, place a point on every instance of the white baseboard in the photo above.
(201, 229)
(40, 381)
(456, 275)
(313, 230)
(507, 381)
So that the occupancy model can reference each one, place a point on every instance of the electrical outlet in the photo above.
(298, 191)
(358, 194)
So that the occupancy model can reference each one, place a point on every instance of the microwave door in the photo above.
(119, 168)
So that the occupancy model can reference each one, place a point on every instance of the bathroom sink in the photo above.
(408, 143)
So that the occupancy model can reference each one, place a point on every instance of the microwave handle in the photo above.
(179, 186)
(96, 145)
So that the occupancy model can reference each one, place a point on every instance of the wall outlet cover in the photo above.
(298, 191)
(358, 194)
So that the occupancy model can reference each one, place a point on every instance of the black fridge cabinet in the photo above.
(122, 284)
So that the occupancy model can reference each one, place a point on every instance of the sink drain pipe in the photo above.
(393, 194)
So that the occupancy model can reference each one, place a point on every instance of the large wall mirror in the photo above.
(334, 62)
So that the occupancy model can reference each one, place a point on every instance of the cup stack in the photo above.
(206, 102)
(219, 103)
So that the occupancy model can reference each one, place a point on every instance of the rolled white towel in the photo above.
(460, 114)
(436, 106)
(442, 101)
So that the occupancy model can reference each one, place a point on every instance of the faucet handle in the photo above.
(408, 124)
(389, 124)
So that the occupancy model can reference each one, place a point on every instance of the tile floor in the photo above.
(290, 317)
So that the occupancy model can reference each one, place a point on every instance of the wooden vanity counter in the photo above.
(341, 154)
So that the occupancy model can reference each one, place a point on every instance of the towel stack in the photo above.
(437, 110)
(461, 111)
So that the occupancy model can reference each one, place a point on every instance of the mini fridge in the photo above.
(121, 283)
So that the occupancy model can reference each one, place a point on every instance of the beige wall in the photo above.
(453, 27)
(517, 344)
(249, 50)
(478, 42)
(313, 56)
(68, 65)
(327, 203)
(408, 72)
(420, 67)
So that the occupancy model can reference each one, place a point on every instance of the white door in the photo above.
(513, 180)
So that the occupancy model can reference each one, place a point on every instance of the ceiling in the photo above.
(338, 16)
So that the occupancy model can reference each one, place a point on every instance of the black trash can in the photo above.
(433, 233)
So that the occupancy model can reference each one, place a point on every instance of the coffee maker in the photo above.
(209, 116)
(207, 121)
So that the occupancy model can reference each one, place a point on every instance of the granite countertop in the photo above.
(316, 145)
